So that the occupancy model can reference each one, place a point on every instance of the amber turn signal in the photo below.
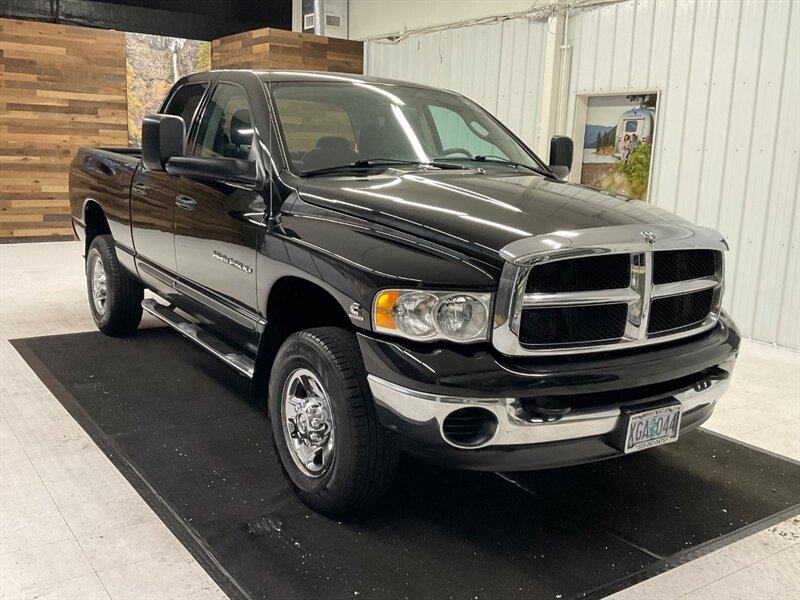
(383, 309)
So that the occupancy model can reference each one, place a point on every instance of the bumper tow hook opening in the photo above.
(545, 409)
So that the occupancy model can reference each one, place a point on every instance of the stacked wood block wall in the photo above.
(278, 49)
(61, 87)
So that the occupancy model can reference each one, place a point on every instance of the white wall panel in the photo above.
(778, 260)
(373, 18)
(728, 135)
(728, 132)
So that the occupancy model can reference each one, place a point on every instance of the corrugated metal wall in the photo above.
(727, 149)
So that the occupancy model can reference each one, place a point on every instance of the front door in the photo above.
(217, 225)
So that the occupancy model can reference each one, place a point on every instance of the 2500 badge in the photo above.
(232, 262)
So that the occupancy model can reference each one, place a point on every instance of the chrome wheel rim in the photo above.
(308, 422)
(97, 281)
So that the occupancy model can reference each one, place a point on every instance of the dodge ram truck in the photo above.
(396, 271)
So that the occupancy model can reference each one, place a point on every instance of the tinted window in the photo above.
(631, 126)
(226, 127)
(335, 123)
(184, 102)
(456, 135)
(306, 122)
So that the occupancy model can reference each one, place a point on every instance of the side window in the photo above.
(184, 102)
(454, 132)
(226, 129)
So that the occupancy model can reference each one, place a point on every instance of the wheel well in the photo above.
(294, 304)
(96, 223)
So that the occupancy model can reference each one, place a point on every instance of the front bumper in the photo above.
(518, 441)
(594, 393)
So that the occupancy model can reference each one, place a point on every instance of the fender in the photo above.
(351, 259)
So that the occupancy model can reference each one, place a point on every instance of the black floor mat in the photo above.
(179, 425)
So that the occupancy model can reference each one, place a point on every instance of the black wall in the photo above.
(193, 19)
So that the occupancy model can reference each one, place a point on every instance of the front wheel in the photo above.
(331, 445)
(115, 298)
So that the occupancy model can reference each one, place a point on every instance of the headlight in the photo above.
(425, 315)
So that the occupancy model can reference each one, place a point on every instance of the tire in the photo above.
(361, 463)
(115, 298)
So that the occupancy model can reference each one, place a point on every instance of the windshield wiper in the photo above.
(379, 162)
(499, 160)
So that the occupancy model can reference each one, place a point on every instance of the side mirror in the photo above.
(234, 170)
(163, 138)
(561, 155)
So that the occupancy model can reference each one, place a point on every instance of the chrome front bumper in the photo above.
(420, 416)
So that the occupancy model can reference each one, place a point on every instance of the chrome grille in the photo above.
(680, 265)
(573, 324)
(612, 271)
(678, 312)
(608, 288)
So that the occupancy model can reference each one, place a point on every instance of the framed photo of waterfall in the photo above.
(615, 135)
(153, 64)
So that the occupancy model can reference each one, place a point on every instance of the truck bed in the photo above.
(104, 175)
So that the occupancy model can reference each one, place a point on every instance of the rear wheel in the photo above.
(115, 298)
(331, 445)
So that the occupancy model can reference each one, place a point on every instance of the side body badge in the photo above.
(355, 312)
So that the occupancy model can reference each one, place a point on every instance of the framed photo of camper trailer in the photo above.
(614, 134)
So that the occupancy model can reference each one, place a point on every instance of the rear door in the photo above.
(634, 126)
(217, 225)
(153, 200)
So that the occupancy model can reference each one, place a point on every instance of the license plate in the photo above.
(653, 427)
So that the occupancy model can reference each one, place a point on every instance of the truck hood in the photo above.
(472, 209)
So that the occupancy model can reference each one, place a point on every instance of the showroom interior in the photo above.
(399, 299)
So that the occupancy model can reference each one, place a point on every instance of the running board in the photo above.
(202, 337)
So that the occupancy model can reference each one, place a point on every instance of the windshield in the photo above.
(335, 124)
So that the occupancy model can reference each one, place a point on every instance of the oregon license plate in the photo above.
(653, 427)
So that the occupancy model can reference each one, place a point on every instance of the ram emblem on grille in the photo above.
(649, 237)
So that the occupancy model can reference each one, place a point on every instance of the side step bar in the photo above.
(231, 356)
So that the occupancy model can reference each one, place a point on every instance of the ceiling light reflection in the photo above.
(412, 137)
(496, 225)
(454, 188)
(404, 201)
(378, 90)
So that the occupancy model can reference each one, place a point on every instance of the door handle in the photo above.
(140, 188)
(185, 202)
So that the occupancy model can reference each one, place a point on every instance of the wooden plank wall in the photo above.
(61, 87)
(278, 49)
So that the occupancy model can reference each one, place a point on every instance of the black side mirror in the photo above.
(561, 149)
(163, 137)
(233, 170)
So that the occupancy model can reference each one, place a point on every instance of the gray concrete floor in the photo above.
(72, 527)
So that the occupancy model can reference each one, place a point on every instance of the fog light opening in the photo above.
(469, 427)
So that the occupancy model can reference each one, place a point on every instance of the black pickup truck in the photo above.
(396, 271)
